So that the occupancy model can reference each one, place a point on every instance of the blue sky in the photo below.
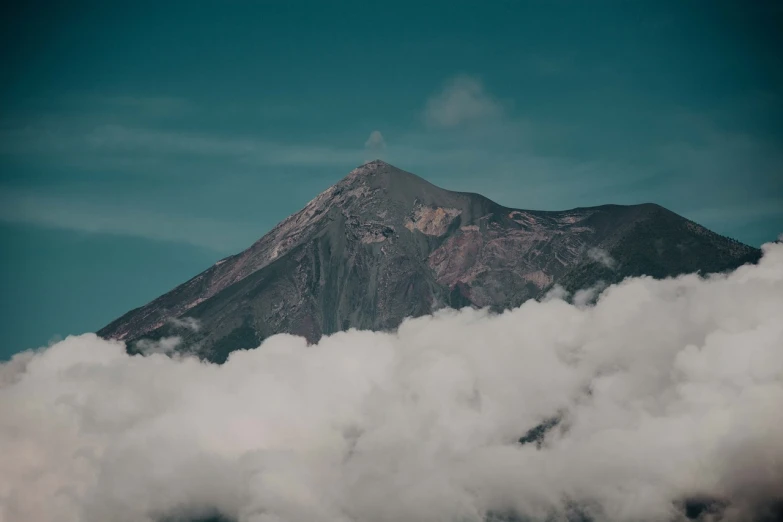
(140, 143)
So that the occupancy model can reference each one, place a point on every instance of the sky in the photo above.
(141, 142)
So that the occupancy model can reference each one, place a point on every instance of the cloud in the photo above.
(150, 106)
(584, 296)
(104, 146)
(250, 150)
(100, 217)
(461, 100)
(758, 210)
(187, 323)
(375, 142)
(166, 345)
(375, 146)
(665, 393)
(602, 257)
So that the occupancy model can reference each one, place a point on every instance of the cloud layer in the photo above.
(667, 393)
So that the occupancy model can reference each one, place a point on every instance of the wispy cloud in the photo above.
(86, 216)
(102, 143)
(375, 146)
(247, 149)
(725, 174)
(758, 209)
(461, 100)
(376, 141)
(187, 323)
(602, 257)
(149, 105)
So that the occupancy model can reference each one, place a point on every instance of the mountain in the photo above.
(384, 244)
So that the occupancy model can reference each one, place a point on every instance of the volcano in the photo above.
(384, 244)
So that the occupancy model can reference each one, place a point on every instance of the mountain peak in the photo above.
(384, 244)
(369, 168)
(376, 163)
(394, 183)
(372, 167)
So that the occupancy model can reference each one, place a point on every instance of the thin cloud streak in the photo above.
(84, 216)
(107, 141)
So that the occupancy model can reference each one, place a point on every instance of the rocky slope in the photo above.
(384, 244)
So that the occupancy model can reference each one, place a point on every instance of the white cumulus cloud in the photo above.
(666, 392)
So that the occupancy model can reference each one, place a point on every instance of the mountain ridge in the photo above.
(383, 244)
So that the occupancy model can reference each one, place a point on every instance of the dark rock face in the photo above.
(383, 244)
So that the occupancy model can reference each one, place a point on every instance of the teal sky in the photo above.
(141, 143)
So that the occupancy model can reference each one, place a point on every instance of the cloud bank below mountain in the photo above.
(669, 396)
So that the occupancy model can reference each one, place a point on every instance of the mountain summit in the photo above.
(384, 244)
